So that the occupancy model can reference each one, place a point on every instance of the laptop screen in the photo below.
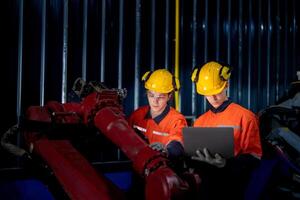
(215, 139)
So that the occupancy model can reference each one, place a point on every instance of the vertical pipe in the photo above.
(103, 30)
(43, 49)
(229, 40)
(286, 39)
(205, 30)
(20, 69)
(240, 50)
(259, 35)
(278, 27)
(269, 29)
(153, 13)
(194, 56)
(250, 32)
(177, 46)
(218, 31)
(65, 52)
(84, 38)
(20, 60)
(137, 52)
(167, 33)
(120, 45)
(120, 54)
(294, 38)
(205, 42)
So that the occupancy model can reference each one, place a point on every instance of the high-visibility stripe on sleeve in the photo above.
(160, 133)
(140, 128)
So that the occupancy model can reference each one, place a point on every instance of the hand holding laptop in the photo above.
(215, 160)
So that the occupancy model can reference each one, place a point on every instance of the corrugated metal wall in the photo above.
(47, 44)
(257, 38)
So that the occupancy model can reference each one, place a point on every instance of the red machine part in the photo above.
(78, 178)
(102, 109)
(162, 183)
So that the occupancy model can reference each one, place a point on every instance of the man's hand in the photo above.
(157, 146)
(217, 161)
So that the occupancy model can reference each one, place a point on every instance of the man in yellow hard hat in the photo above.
(158, 123)
(212, 82)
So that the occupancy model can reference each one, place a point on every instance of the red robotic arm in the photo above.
(162, 183)
(103, 110)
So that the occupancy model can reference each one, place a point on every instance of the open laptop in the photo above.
(215, 139)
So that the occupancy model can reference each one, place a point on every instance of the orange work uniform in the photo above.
(245, 124)
(168, 128)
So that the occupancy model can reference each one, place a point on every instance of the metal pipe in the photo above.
(137, 52)
(167, 33)
(20, 60)
(229, 41)
(120, 54)
(103, 30)
(218, 31)
(294, 27)
(20, 69)
(205, 31)
(250, 32)
(84, 38)
(286, 57)
(43, 50)
(205, 43)
(268, 52)
(194, 56)
(259, 33)
(65, 52)
(240, 50)
(120, 51)
(278, 27)
(153, 13)
(177, 46)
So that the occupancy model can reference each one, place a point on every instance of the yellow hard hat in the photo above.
(211, 79)
(160, 80)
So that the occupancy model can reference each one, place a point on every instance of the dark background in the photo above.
(125, 38)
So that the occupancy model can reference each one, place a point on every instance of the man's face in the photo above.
(157, 101)
(217, 99)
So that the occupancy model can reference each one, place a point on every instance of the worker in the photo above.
(159, 123)
(212, 82)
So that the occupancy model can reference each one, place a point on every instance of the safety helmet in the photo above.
(160, 80)
(211, 79)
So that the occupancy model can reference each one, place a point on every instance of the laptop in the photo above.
(215, 139)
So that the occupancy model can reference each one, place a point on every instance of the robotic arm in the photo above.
(102, 109)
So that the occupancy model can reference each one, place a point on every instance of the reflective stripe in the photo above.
(140, 128)
(160, 133)
(154, 132)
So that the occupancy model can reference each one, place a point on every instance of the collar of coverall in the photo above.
(222, 107)
(160, 117)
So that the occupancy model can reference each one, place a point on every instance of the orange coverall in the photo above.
(245, 124)
(169, 127)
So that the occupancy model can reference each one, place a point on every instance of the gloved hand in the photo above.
(157, 146)
(217, 160)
